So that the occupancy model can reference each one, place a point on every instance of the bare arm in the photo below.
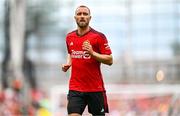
(66, 66)
(103, 58)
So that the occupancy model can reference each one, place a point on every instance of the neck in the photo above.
(82, 31)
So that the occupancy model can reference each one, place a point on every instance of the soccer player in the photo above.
(87, 49)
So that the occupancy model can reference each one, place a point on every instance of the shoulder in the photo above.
(98, 33)
(72, 33)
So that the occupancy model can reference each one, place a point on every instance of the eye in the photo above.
(85, 13)
(79, 13)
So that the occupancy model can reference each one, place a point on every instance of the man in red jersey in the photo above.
(87, 49)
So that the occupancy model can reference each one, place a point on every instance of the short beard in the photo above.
(82, 25)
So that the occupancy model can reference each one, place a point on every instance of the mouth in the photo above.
(82, 21)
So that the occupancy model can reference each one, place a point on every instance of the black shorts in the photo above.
(96, 102)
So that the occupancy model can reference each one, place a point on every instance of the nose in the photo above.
(82, 17)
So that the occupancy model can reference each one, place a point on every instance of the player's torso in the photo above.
(75, 46)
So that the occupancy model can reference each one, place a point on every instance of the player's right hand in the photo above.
(65, 67)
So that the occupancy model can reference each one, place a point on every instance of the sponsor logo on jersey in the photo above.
(80, 55)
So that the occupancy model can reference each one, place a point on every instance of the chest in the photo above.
(75, 43)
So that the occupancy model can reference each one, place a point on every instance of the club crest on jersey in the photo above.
(80, 55)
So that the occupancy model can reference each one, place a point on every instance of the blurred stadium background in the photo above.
(144, 36)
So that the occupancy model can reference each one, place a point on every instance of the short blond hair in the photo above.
(83, 7)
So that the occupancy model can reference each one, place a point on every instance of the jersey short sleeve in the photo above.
(103, 45)
(67, 45)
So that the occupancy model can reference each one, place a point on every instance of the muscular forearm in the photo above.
(105, 59)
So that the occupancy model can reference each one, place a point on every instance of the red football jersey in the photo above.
(85, 73)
